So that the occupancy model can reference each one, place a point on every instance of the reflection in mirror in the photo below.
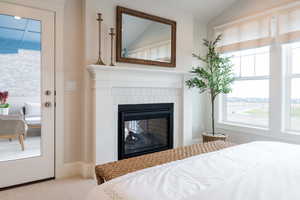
(20, 88)
(146, 39)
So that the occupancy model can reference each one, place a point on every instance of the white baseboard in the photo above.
(85, 170)
(196, 141)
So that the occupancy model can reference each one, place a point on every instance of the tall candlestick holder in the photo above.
(100, 61)
(112, 34)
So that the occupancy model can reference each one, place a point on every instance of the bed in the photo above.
(109, 171)
(252, 171)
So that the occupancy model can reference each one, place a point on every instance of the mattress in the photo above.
(252, 171)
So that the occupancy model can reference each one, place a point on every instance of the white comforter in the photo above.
(253, 171)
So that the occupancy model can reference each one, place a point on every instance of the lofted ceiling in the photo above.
(203, 10)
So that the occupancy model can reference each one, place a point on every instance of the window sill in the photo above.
(291, 132)
(244, 128)
(284, 136)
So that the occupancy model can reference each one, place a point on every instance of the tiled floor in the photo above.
(12, 150)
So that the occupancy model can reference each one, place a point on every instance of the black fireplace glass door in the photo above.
(144, 128)
(144, 135)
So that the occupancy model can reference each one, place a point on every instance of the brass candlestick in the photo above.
(112, 34)
(100, 61)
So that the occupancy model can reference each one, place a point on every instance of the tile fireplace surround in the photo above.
(112, 86)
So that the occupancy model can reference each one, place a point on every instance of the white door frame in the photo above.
(56, 6)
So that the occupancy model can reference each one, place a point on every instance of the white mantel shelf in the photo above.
(115, 76)
(96, 68)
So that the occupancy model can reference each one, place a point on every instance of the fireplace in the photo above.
(144, 128)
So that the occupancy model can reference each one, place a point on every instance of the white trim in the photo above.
(71, 169)
(85, 170)
(59, 82)
(242, 128)
(96, 68)
(238, 135)
(196, 141)
(57, 7)
(287, 87)
(223, 100)
(268, 12)
(288, 78)
(252, 78)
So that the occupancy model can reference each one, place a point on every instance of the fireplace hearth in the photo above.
(144, 128)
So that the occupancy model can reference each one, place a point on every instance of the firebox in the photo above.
(144, 128)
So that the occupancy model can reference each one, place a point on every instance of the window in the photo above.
(248, 103)
(291, 54)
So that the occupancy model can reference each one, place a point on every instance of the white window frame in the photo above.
(287, 57)
(222, 114)
(279, 89)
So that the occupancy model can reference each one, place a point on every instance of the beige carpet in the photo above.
(63, 189)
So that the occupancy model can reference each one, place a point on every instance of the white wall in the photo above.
(199, 103)
(185, 46)
(244, 8)
(73, 62)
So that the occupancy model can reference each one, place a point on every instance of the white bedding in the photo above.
(253, 171)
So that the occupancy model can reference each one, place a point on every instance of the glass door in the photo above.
(26, 94)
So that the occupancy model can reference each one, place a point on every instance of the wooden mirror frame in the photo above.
(119, 58)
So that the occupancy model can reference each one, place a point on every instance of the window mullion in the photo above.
(275, 111)
(288, 87)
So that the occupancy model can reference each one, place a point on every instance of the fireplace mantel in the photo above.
(97, 68)
(136, 77)
(113, 86)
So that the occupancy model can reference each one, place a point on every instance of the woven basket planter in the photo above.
(211, 138)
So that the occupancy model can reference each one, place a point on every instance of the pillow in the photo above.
(32, 109)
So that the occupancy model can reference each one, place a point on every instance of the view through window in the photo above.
(248, 103)
(20, 80)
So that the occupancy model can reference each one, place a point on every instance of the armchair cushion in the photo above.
(33, 120)
(32, 109)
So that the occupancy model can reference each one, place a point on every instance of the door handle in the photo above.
(48, 92)
(47, 104)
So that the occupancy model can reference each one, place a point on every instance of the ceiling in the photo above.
(204, 10)
(19, 33)
(134, 28)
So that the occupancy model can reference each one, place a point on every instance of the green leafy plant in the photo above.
(216, 76)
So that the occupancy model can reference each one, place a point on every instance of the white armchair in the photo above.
(32, 115)
(13, 128)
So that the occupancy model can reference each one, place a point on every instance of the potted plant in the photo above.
(4, 107)
(215, 77)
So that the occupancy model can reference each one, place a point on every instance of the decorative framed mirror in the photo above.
(145, 39)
